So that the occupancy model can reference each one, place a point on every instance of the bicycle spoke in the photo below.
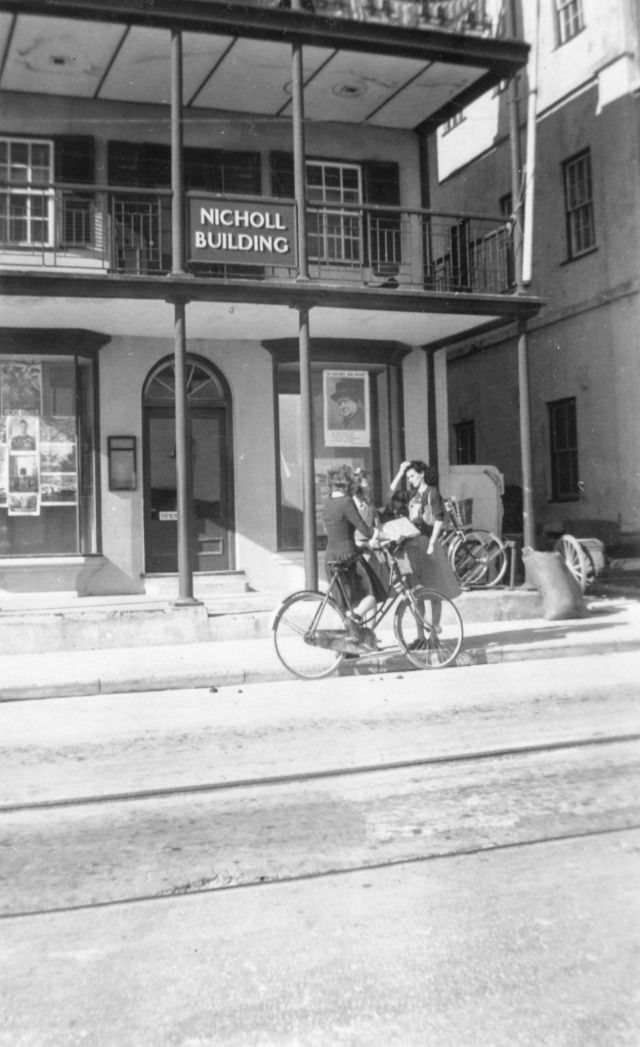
(310, 635)
(428, 628)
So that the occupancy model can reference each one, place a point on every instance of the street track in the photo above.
(124, 848)
(311, 776)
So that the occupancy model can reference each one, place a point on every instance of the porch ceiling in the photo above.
(240, 321)
(237, 59)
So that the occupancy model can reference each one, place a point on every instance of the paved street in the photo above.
(445, 858)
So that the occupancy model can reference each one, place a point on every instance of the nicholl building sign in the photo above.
(246, 232)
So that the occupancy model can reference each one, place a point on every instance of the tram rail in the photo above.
(298, 777)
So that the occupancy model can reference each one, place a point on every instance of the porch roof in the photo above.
(237, 59)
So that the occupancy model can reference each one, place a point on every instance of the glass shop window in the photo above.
(351, 425)
(47, 456)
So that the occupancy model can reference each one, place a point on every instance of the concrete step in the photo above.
(205, 584)
(95, 623)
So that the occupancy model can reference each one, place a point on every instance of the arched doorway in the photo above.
(209, 414)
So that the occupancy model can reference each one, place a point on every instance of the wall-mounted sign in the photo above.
(246, 232)
(121, 452)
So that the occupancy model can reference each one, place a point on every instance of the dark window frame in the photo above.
(577, 176)
(569, 20)
(563, 449)
(464, 442)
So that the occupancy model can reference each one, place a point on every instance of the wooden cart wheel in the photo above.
(576, 558)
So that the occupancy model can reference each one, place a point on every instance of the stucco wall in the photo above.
(247, 369)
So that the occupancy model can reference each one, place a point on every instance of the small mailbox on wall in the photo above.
(121, 452)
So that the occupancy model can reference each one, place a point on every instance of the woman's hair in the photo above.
(359, 475)
(340, 478)
(429, 472)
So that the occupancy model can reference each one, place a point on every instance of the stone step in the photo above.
(205, 584)
(94, 623)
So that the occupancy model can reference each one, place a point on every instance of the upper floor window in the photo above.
(563, 431)
(570, 19)
(335, 225)
(578, 192)
(26, 199)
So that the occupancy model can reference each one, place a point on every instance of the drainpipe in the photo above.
(522, 244)
(527, 248)
(304, 353)
(183, 442)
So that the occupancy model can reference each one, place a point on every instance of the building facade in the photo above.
(221, 271)
(583, 350)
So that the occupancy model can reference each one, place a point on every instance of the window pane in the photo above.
(579, 205)
(564, 449)
(47, 425)
(290, 465)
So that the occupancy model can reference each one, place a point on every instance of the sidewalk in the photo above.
(613, 624)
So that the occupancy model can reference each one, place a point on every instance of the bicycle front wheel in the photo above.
(310, 635)
(428, 628)
(479, 559)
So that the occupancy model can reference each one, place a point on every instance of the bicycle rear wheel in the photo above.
(428, 628)
(479, 559)
(310, 635)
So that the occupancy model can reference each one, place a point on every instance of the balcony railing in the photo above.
(128, 231)
(459, 16)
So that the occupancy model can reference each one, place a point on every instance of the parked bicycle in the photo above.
(312, 633)
(478, 557)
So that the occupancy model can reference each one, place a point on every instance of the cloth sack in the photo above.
(561, 594)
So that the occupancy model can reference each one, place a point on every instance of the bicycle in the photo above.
(312, 634)
(478, 557)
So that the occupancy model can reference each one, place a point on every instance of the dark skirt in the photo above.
(432, 570)
(361, 578)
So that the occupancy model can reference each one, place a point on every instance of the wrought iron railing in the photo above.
(460, 16)
(121, 230)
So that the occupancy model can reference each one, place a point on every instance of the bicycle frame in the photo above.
(397, 588)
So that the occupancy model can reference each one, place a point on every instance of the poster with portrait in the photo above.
(24, 484)
(347, 421)
(22, 432)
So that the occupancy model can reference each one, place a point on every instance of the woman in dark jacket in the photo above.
(342, 520)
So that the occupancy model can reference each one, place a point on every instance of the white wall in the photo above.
(124, 366)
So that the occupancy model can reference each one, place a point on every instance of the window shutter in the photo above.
(74, 159)
(282, 174)
(381, 182)
(381, 185)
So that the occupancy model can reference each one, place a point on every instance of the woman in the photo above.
(429, 564)
(342, 520)
(364, 504)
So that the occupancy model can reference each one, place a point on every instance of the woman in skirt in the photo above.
(428, 560)
(342, 520)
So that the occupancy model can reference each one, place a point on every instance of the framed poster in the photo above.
(347, 421)
(121, 452)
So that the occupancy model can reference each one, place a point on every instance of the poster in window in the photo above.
(24, 504)
(24, 484)
(22, 432)
(58, 457)
(20, 388)
(4, 473)
(58, 488)
(346, 408)
(58, 430)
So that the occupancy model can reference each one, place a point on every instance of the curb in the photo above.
(231, 677)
